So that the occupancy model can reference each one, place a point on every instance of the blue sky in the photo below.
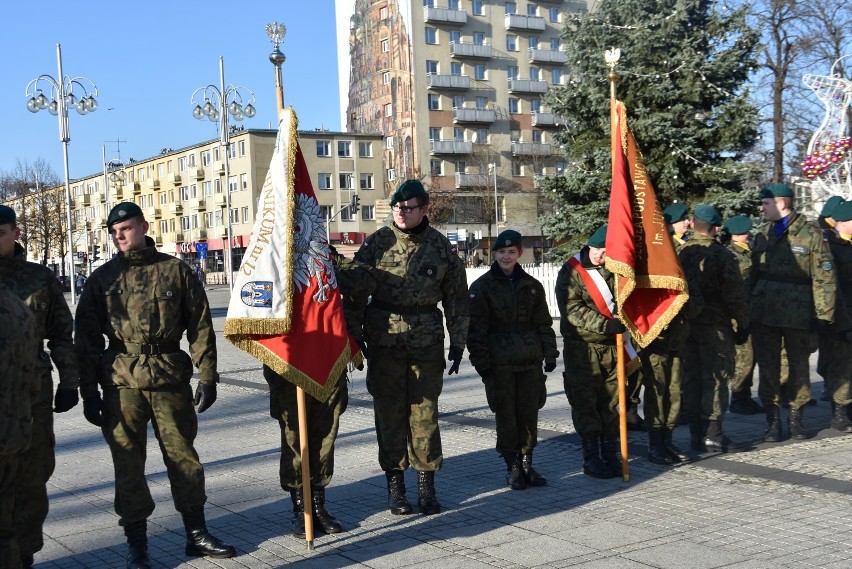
(146, 60)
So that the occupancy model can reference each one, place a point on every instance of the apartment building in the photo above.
(455, 88)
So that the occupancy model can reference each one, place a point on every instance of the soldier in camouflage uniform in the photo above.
(19, 344)
(792, 287)
(836, 362)
(590, 378)
(414, 268)
(677, 217)
(827, 342)
(510, 335)
(143, 301)
(37, 287)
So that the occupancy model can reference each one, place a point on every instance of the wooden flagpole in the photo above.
(612, 56)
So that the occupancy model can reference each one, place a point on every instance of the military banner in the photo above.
(286, 309)
(650, 283)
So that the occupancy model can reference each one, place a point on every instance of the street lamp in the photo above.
(61, 98)
(219, 102)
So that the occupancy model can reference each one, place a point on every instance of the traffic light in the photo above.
(356, 204)
(96, 250)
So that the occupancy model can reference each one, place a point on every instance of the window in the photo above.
(511, 7)
(208, 219)
(232, 151)
(345, 214)
(163, 198)
(477, 8)
(513, 106)
(218, 217)
(184, 223)
(431, 67)
(482, 102)
(429, 3)
(323, 148)
(241, 148)
(515, 135)
(516, 169)
(511, 43)
(537, 136)
(532, 10)
(232, 184)
(388, 142)
(479, 38)
(512, 72)
(386, 77)
(366, 182)
(216, 153)
(554, 14)
(235, 215)
(555, 44)
(482, 135)
(431, 36)
(391, 174)
(434, 102)
(385, 45)
(191, 160)
(479, 72)
(368, 212)
(461, 166)
(243, 182)
(533, 41)
(383, 13)
(458, 101)
(164, 226)
(245, 215)
(453, 4)
(458, 134)
(181, 163)
(434, 133)
(324, 181)
(455, 36)
(193, 191)
(436, 167)
(161, 170)
(325, 211)
(389, 110)
(344, 149)
(184, 193)
(535, 73)
(556, 76)
(217, 185)
(535, 105)
(365, 149)
(345, 181)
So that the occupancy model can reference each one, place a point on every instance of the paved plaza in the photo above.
(779, 506)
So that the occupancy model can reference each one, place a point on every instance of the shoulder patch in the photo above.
(800, 249)
(471, 296)
(826, 265)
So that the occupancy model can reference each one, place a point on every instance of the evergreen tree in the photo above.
(682, 75)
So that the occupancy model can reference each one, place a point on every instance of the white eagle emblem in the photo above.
(311, 255)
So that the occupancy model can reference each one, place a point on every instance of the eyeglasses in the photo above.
(403, 209)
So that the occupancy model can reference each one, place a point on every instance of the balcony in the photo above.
(153, 184)
(462, 115)
(82, 224)
(197, 173)
(476, 50)
(219, 167)
(450, 147)
(444, 16)
(173, 237)
(199, 233)
(133, 189)
(547, 119)
(97, 223)
(158, 240)
(197, 203)
(218, 232)
(527, 86)
(83, 200)
(439, 81)
(175, 208)
(521, 22)
(174, 179)
(472, 180)
(219, 200)
(548, 56)
(530, 149)
(152, 212)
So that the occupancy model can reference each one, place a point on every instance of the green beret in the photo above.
(739, 225)
(675, 212)
(409, 189)
(776, 191)
(123, 212)
(709, 214)
(843, 211)
(830, 204)
(7, 215)
(507, 238)
(598, 238)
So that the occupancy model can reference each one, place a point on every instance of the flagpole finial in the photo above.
(612, 56)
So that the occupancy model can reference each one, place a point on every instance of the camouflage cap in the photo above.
(123, 212)
(776, 191)
(675, 212)
(407, 190)
(598, 238)
(739, 225)
(7, 215)
(709, 214)
(843, 211)
(830, 204)
(507, 238)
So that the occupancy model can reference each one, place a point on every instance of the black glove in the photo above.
(549, 364)
(66, 398)
(455, 356)
(484, 373)
(614, 326)
(205, 396)
(94, 410)
(741, 335)
(363, 346)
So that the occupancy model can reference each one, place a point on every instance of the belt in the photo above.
(405, 309)
(785, 279)
(144, 349)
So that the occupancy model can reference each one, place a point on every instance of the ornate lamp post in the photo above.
(62, 98)
(219, 102)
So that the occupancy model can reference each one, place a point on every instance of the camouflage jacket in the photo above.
(510, 323)
(412, 271)
(38, 288)
(714, 270)
(18, 343)
(743, 256)
(841, 251)
(792, 280)
(143, 297)
(580, 319)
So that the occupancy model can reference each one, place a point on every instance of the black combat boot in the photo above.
(593, 464)
(321, 516)
(426, 499)
(199, 542)
(397, 502)
(673, 450)
(610, 454)
(717, 441)
(696, 435)
(137, 542)
(773, 424)
(742, 403)
(797, 430)
(657, 449)
(532, 477)
(298, 500)
(514, 475)
(27, 560)
(840, 419)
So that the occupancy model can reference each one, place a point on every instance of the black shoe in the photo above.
(321, 516)
(773, 425)
(697, 431)
(199, 541)
(593, 464)
(840, 419)
(532, 477)
(137, 545)
(397, 502)
(514, 475)
(298, 501)
(427, 501)
(797, 430)
(717, 441)
(656, 449)
(741, 403)
(610, 454)
(675, 453)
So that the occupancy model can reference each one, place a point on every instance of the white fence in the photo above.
(545, 273)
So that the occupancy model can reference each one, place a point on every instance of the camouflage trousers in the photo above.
(35, 469)
(835, 367)
(591, 384)
(661, 375)
(708, 365)
(515, 394)
(405, 385)
(323, 421)
(10, 554)
(175, 425)
(798, 345)
(743, 378)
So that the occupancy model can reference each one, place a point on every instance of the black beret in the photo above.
(843, 211)
(598, 238)
(407, 190)
(739, 225)
(123, 212)
(675, 212)
(7, 215)
(777, 191)
(507, 238)
(830, 204)
(709, 214)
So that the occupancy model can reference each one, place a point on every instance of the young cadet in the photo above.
(510, 334)
(677, 216)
